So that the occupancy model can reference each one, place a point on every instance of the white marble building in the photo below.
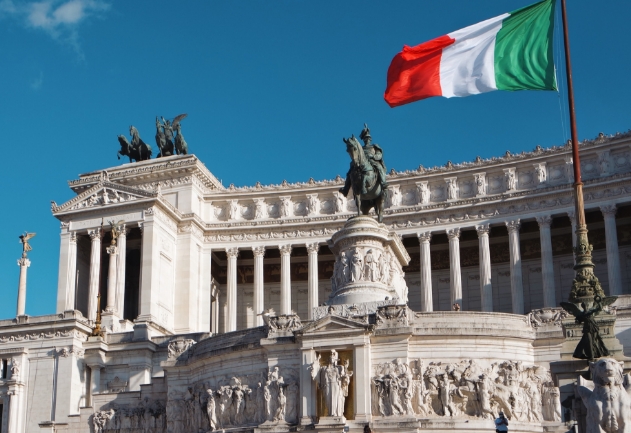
(197, 262)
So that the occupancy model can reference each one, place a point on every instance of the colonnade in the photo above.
(116, 286)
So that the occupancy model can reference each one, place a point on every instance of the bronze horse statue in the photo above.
(138, 150)
(361, 174)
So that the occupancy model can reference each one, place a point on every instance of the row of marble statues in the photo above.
(523, 393)
(169, 140)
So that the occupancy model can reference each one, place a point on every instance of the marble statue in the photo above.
(423, 193)
(233, 210)
(591, 345)
(541, 173)
(15, 369)
(371, 267)
(384, 267)
(281, 406)
(285, 207)
(367, 175)
(395, 199)
(341, 271)
(339, 203)
(479, 184)
(510, 181)
(99, 419)
(451, 189)
(333, 380)
(551, 410)
(356, 266)
(606, 398)
(259, 211)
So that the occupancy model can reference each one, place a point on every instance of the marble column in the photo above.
(67, 272)
(312, 284)
(259, 288)
(547, 263)
(285, 279)
(516, 281)
(95, 270)
(486, 289)
(16, 413)
(427, 303)
(121, 258)
(231, 296)
(71, 273)
(23, 263)
(112, 250)
(455, 278)
(613, 256)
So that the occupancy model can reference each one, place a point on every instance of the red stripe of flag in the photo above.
(414, 73)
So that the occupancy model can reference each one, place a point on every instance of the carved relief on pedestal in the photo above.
(464, 389)
(148, 416)
(369, 264)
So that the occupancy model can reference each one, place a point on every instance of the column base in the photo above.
(110, 322)
(22, 319)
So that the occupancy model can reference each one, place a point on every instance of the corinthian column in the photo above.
(547, 263)
(455, 279)
(426, 272)
(111, 279)
(95, 270)
(259, 290)
(613, 256)
(231, 297)
(486, 289)
(285, 279)
(120, 271)
(312, 284)
(516, 284)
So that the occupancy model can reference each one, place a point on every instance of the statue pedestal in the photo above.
(331, 424)
(274, 427)
(369, 264)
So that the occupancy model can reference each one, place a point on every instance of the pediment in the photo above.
(333, 323)
(104, 193)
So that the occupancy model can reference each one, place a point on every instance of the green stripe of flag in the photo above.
(523, 49)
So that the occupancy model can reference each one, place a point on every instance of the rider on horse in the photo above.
(374, 153)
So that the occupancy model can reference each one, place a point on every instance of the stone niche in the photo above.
(369, 262)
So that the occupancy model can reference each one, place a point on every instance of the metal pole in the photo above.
(585, 285)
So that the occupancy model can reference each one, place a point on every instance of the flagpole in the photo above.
(585, 285)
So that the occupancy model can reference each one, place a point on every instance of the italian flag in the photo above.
(512, 51)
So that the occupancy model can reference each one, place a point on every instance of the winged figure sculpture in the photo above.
(26, 247)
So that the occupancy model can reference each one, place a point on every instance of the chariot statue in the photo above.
(137, 150)
(367, 174)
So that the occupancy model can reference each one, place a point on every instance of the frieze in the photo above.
(26, 336)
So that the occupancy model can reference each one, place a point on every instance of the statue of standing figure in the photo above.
(334, 381)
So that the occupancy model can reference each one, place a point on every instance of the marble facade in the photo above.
(220, 302)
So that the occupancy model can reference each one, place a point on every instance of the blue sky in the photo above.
(270, 89)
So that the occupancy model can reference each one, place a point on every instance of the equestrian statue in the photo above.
(138, 150)
(367, 174)
(168, 142)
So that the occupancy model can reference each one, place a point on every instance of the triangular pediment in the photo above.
(104, 193)
(333, 323)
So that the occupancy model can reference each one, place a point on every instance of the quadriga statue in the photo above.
(606, 397)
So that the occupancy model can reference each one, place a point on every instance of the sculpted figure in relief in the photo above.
(210, 410)
(233, 210)
(339, 203)
(479, 184)
(285, 207)
(423, 193)
(342, 271)
(384, 267)
(371, 267)
(551, 403)
(510, 181)
(356, 266)
(541, 173)
(451, 189)
(259, 210)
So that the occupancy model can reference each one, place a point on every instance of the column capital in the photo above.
(453, 233)
(73, 237)
(424, 236)
(513, 226)
(258, 251)
(609, 210)
(112, 250)
(232, 252)
(313, 248)
(95, 234)
(483, 229)
(24, 262)
(572, 216)
(285, 250)
(544, 221)
(141, 226)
